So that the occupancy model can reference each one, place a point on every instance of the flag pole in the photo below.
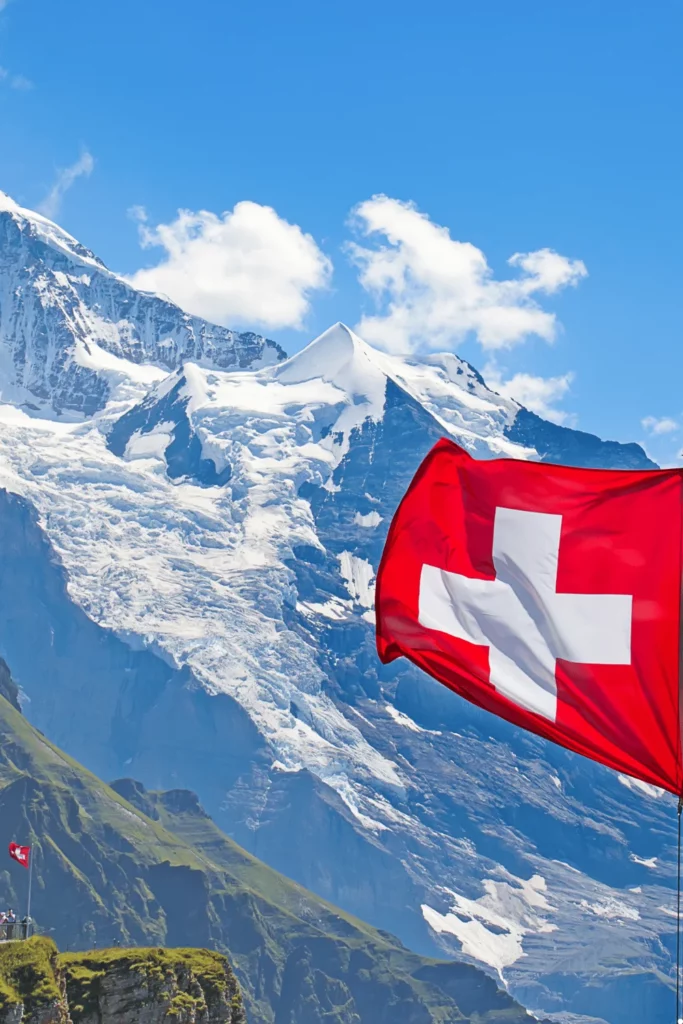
(30, 879)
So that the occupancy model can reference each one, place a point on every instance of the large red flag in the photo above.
(20, 853)
(548, 595)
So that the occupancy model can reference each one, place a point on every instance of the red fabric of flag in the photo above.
(20, 853)
(548, 595)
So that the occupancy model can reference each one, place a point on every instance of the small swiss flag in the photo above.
(20, 853)
(548, 595)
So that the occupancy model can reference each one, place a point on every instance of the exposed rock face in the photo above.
(116, 986)
(53, 1013)
(8, 688)
(151, 986)
(32, 984)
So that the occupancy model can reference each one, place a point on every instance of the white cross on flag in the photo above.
(550, 596)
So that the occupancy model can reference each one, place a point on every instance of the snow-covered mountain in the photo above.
(190, 564)
(67, 322)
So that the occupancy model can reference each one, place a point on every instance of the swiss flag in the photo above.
(20, 853)
(550, 596)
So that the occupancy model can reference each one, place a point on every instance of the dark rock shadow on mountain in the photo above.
(306, 831)
(569, 447)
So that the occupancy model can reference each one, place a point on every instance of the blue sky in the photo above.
(518, 127)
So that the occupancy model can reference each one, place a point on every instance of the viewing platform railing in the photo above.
(17, 930)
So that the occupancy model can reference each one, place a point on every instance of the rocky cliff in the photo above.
(151, 986)
(116, 986)
(32, 985)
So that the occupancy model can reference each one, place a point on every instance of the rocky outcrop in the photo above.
(116, 986)
(32, 984)
(53, 1013)
(8, 688)
(151, 986)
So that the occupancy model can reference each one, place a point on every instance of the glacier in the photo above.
(191, 525)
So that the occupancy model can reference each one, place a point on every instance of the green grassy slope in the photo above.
(159, 872)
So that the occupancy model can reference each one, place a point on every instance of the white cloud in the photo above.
(546, 271)
(247, 266)
(137, 213)
(432, 291)
(539, 394)
(655, 425)
(51, 205)
(19, 82)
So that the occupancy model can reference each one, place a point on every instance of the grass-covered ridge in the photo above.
(27, 974)
(143, 869)
(207, 965)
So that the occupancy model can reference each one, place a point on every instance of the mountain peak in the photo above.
(7, 204)
(340, 358)
(37, 225)
(337, 355)
(72, 331)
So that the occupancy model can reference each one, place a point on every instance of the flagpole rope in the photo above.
(678, 915)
